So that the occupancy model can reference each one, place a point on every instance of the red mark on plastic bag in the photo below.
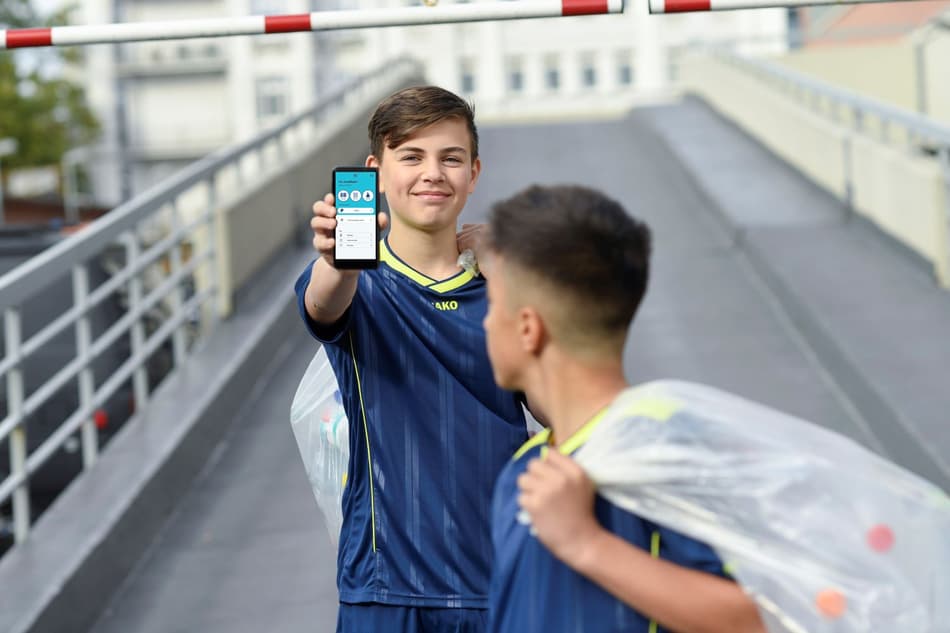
(831, 603)
(881, 538)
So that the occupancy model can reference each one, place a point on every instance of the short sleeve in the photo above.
(329, 334)
(690, 553)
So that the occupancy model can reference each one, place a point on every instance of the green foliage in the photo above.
(46, 114)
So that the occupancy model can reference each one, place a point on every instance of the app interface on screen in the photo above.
(356, 215)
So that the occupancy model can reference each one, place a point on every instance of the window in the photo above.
(624, 69)
(272, 97)
(552, 76)
(467, 76)
(515, 74)
(588, 71)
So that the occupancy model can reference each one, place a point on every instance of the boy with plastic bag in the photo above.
(822, 535)
(429, 430)
(556, 324)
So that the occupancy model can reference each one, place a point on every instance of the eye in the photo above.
(453, 159)
(409, 158)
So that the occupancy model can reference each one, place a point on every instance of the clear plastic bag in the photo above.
(826, 536)
(322, 433)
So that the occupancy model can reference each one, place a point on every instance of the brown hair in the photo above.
(584, 247)
(405, 112)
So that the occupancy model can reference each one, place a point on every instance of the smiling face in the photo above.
(428, 177)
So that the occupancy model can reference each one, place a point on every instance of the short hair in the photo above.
(405, 112)
(584, 250)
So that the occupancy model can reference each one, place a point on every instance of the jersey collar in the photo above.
(446, 285)
(574, 442)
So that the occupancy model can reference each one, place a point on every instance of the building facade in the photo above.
(165, 104)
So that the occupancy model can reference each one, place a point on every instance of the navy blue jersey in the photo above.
(531, 590)
(429, 433)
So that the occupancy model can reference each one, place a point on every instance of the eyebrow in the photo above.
(419, 150)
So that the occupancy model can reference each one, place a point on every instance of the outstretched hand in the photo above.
(323, 224)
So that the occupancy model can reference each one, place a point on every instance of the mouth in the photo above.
(431, 195)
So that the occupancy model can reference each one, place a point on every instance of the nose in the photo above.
(432, 170)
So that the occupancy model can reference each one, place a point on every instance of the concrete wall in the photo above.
(904, 194)
(888, 72)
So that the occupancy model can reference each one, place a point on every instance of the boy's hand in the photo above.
(472, 236)
(323, 224)
(559, 498)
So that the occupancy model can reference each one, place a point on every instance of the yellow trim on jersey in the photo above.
(446, 285)
(369, 455)
(659, 409)
(453, 283)
(582, 434)
(573, 442)
(541, 437)
(655, 553)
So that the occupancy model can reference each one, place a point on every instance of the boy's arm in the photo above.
(559, 498)
(330, 291)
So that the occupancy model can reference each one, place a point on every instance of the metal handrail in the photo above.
(124, 226)
(807, 87)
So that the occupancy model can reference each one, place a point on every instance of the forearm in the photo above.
(679, 599)
(330, 292)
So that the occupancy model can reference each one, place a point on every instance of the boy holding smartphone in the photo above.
(429, 429)
(556, 326)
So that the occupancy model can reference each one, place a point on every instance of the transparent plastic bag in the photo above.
(322, 433)
(825, 535)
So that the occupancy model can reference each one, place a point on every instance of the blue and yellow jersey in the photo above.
(532, 591)
(429, 433)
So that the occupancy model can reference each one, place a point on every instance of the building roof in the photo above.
(868, 23)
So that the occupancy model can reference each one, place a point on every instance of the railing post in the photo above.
(90, 440)
(213, 252)
(944, 274)
(847, 167)
(137, 331)
(177, 295)
(18, 447)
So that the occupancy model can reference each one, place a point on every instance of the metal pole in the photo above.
(2, 210)
(89, 433)
(920, 71)
(690, 6)
(18, 447)
(121, 120)
(319, 21)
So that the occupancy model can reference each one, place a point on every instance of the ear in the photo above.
(476, 170)
(532, 332)
(372, 161)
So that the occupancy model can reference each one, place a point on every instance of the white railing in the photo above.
(166, 270)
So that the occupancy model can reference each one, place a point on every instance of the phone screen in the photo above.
(356, 190)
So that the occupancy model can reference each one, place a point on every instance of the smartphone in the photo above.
(356, 195)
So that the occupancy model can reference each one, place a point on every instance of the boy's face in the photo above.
(501, 327)
(428, 178)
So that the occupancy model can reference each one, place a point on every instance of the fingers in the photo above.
(383, 220)
(323, 224)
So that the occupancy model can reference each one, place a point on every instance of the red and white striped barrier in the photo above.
(689, 6)
(320, 21)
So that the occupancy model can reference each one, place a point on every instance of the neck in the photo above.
(569, 392)
(433, 254)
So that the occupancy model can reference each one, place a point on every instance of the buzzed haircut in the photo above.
(405, 112)
(581, 244)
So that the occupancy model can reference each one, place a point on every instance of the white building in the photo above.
(186, 98)
(563, 66)
(183, 99)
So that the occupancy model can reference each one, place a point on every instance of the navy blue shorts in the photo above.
(385, 618)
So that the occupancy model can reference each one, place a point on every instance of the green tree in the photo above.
(46, 114)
